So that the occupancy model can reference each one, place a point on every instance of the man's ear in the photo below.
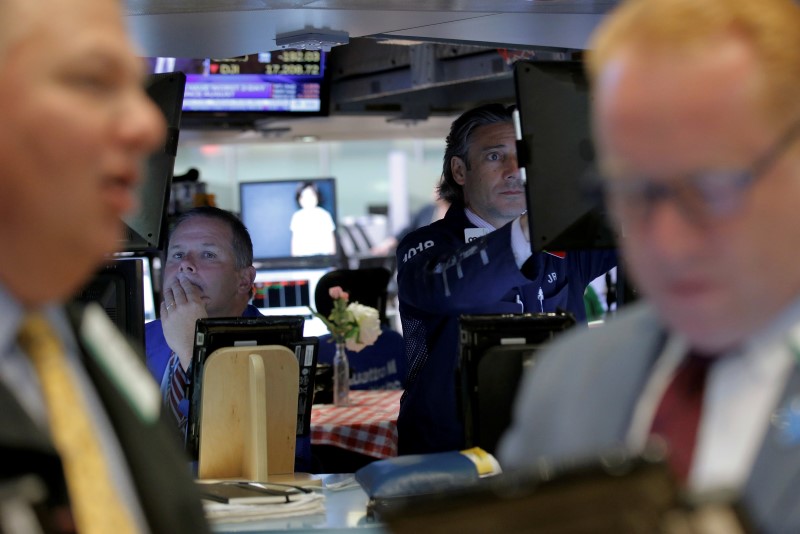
(248, 276)
(459, 170)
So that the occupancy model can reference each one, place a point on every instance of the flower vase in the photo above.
(341, 377)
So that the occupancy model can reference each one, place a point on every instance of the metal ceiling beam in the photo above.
(444, 77)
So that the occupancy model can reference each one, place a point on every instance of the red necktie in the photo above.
(678, 414)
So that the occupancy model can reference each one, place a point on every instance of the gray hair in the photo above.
(458, 141)
(242, 244)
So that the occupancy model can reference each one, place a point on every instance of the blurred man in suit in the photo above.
(697, 122)
(76, 123)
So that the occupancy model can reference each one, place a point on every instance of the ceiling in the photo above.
(417, 63)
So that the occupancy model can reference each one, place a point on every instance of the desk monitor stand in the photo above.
(248, 413)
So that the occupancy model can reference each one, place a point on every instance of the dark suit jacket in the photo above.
(580, 398)
(157, 464)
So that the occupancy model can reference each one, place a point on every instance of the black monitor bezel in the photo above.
(118, 287)
(478, 335)
(146, 228)
(218, 332)
(556, 151)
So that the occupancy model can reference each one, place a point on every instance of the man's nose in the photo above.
(512, 167)
(141, 125)
(187, 264)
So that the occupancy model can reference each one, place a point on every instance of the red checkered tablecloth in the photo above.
(367, 426)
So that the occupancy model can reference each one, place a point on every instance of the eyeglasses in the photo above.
(701, 197)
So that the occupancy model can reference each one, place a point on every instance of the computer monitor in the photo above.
(145, 229)
(494, 352)
(286, 234)
(149, 290)
(118, 287)
(215, 333)
(290, 292)
(555, 152)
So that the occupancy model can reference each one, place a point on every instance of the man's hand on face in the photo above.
(181, 308)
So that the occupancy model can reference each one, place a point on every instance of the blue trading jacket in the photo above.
(441, 277)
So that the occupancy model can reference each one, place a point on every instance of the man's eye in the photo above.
(177, 256)
(95, 83)
(209, 255)
(493, 156)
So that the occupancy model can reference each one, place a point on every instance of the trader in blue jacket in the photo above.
(476, 260)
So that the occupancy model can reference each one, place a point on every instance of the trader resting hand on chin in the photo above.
(182, 306)
(208, 272)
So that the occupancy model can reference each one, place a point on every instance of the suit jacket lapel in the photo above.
(772, 492)
(25, 448)
(165, 488)
(622, 381)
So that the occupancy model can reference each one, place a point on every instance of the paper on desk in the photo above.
(306, 504)
(341, 481)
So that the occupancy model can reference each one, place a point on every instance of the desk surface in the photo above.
(368, 426)
(345, 511)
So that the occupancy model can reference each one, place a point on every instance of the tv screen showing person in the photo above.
(283, 230)
(312, 226)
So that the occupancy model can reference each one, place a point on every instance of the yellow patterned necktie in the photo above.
(95, 503)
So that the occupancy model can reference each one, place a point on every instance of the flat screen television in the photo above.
(239, 91)
(145, 229)
(285, 234)
(556, 152)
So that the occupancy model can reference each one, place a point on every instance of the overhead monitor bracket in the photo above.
(312, 39)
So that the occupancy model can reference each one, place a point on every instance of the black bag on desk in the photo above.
(615, 492)
(388, 483)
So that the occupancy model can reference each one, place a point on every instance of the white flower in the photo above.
(369, 326)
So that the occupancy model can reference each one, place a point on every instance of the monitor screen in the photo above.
(119, 288)
(237, 91)
(292, 222)
(290, 292)
(145, 228)
(495, 350)
(215, 333)
(556, 152)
